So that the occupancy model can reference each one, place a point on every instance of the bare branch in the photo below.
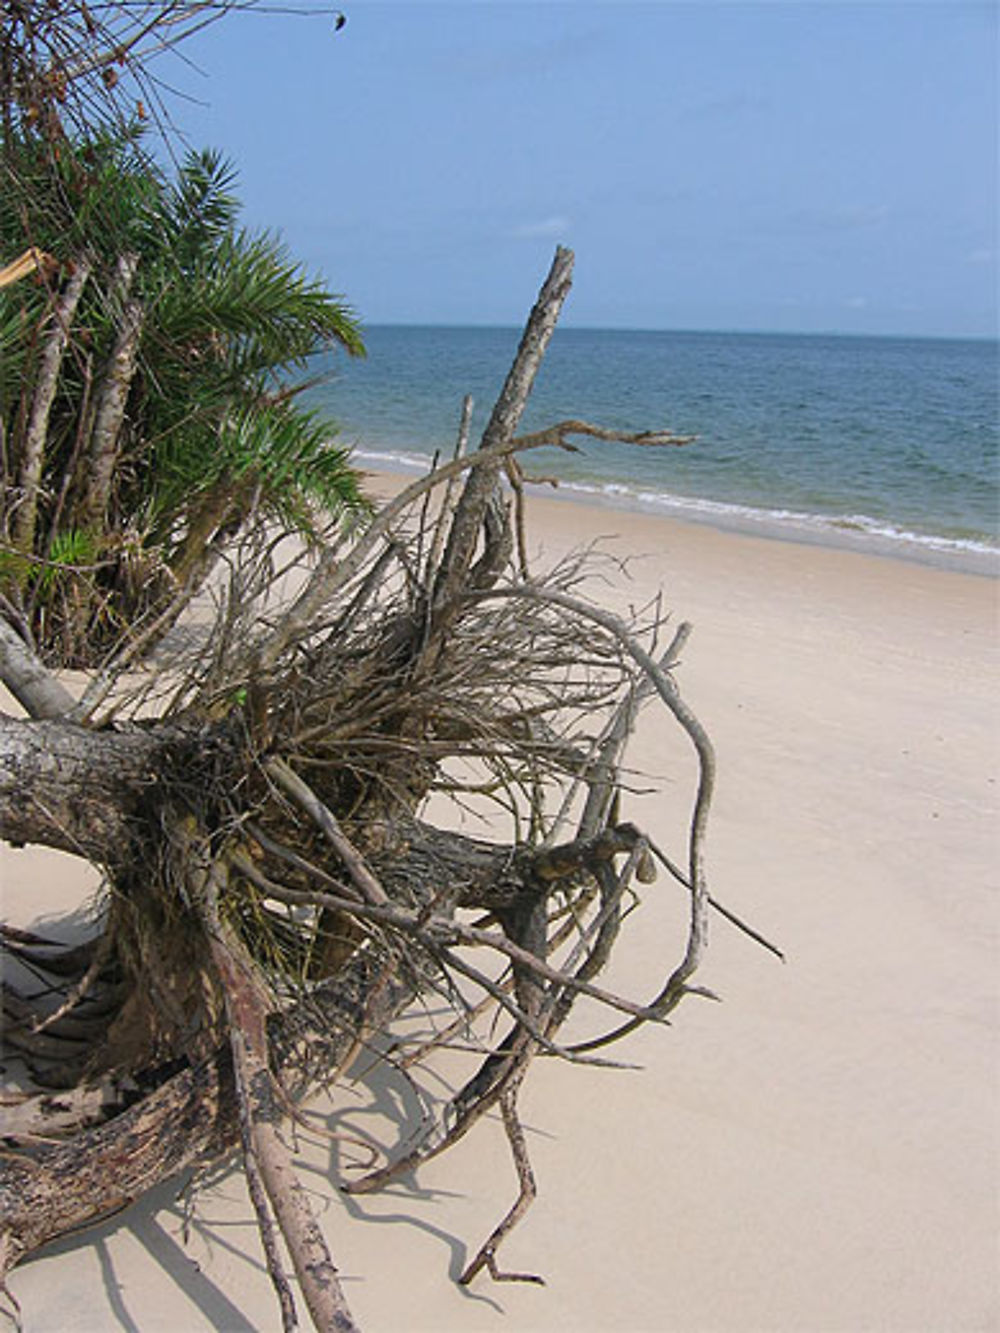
(300, 792)
(35, 689)
(557, 436)
(486, 1256)
(275, 893)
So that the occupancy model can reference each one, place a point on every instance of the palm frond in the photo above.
(290, 453)
(224, 321)
(250, 307)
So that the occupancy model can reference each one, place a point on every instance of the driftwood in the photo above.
(276, 893)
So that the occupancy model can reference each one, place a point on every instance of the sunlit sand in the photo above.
(819, 1151)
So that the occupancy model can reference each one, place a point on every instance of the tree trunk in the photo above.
(36, 432)
(218, 514)
(191, 1117)
(80, 791)
(60, 1187)
(112, 398)
(38, 693)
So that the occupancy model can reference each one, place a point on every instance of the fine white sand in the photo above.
(819, 1151)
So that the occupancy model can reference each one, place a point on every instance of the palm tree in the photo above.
(147, 408)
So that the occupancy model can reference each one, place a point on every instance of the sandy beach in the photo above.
(819, 1152)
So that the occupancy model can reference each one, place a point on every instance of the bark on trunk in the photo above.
(36, 434)
(112, 398)
(502, 426)
(77, 790)
(191, 1117)
(38, 693)
(64, 1186)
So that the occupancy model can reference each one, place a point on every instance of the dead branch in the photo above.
(271, 1165)
(557, 436)
(486, 1255)
(34, 688)
(276, 891)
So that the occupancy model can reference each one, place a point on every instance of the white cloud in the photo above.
(856, 302)
(984, 256)
(546, 227)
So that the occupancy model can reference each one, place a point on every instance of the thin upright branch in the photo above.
(527, 1193)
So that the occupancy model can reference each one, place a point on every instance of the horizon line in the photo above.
(570, 327)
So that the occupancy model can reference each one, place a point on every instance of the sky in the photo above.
(800, 167)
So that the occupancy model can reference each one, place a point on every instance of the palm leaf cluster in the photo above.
(149, 351)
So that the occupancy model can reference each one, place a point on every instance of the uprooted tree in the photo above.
(275, 894)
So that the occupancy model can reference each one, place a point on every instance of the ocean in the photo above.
(890, 445)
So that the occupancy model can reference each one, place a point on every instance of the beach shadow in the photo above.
(390, 1100)
(145, 1221)
(81, 923)
(387, 1114)
(57, 930)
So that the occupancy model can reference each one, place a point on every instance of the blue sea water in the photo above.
(888, 444)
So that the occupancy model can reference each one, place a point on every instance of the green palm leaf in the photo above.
(212, 428)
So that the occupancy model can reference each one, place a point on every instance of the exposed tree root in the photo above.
(276, 893)
(486, 1255)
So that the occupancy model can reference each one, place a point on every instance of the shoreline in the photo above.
(785, 526)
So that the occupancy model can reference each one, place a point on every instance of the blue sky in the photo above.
(807, 166)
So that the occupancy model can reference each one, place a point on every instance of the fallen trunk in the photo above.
(276, 893)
